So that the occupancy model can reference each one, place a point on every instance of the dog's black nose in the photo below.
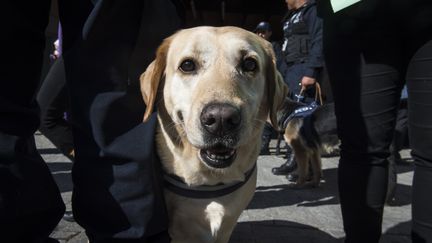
(220, 119)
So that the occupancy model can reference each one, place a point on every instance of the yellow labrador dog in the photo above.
(213, 89)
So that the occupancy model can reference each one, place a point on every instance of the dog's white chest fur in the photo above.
(214, 214)
(198, 220)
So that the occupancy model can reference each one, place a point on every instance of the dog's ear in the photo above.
(277, 90)
(150, 79)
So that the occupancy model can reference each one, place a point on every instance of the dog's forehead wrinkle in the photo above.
(235, 42)
(195, 43)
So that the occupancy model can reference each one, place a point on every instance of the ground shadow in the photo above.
(61, 172)
(49, 151)
(284, 195)
(283, 231)
(403, 228)
(326, 194)
(279, 231)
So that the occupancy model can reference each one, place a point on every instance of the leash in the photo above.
(176, 185)
(318, 94)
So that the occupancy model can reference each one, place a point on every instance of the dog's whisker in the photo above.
(179, 130)
(181, 133)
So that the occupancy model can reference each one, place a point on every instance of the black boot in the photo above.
(289, 166)
(265, 145)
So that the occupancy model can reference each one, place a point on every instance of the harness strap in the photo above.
(302, 111)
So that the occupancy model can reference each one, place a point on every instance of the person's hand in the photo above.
(54, 56)
(307, 81)
(56, 53)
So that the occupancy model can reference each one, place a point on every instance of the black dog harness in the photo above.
(176, 184)
(301, 112)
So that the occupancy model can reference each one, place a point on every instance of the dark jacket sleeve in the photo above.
(315, 60)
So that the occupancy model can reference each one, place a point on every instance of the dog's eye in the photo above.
(187, 66)
(249, 64)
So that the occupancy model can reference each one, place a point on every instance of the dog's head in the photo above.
(214, 88)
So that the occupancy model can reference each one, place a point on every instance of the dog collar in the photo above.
(175, 184)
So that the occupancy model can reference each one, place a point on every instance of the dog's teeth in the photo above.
(219, 157)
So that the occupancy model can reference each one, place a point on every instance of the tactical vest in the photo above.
(297, 38)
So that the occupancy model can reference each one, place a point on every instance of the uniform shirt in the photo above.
(308, 13)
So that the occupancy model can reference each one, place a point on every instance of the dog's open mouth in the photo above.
(218, 156)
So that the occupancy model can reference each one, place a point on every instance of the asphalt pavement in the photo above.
(277, 213)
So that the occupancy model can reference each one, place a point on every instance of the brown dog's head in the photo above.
(214, 88)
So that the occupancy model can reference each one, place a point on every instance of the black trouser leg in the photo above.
(400, 139)
(419, 81)
(53, 100)
(30, 202)
(366, 100)
(117, 195)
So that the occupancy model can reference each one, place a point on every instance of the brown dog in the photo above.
(311, 137)
(213, 89)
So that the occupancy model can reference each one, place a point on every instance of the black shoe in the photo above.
(68, 216)
(285, 168)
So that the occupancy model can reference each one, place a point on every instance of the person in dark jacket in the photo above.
(117, 195)
(302, 46)
(302, 57)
